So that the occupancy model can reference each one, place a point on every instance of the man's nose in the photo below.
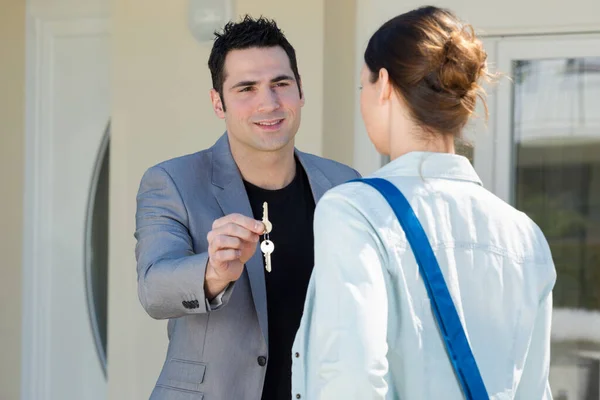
(268, 101)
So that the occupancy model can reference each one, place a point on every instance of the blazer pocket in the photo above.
(166, 392)
(183, 374)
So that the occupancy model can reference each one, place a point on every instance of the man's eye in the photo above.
(246, 89)
(282, 84)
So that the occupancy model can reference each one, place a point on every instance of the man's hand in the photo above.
(231, 243)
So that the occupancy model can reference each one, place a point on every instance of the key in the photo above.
(265, 219)
(267, 247)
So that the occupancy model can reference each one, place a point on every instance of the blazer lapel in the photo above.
(230, 193)
(319, 183)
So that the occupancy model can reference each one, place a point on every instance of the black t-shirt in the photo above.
(291, 211)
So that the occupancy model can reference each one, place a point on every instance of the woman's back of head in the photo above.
(435, 62)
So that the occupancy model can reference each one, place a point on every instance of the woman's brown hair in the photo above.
(435, 62)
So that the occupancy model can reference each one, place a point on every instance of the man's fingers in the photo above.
(250, 224)
(225, 242)
(235, 230)
(223, 256)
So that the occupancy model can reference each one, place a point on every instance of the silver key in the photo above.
(265, 219)
(267, 247)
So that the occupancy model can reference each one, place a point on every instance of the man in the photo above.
(232, 324)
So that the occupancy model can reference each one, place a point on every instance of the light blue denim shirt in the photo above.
(368, 331)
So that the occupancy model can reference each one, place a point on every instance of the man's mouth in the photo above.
(270, 124)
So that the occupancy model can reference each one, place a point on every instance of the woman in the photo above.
(368, 330)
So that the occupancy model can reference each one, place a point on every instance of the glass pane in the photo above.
(556, 131)
(96, 249)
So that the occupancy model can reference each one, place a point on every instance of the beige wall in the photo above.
(511, 16)
(12, 118)
(161, 109)
(339, 80)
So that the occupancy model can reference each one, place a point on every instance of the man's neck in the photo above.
(267, 170)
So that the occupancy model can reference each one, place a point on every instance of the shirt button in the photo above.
(262, 361)
(298, 396)
(297, 355)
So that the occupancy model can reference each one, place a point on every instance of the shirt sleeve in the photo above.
(534, 383)
(217, 302)
(347, 346)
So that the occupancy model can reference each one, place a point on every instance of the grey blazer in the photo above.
(218, 354)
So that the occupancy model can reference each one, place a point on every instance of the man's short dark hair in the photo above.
(246, 34)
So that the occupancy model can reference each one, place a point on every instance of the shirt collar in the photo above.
(431, 165)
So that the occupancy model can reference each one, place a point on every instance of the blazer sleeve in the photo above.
(170, 276)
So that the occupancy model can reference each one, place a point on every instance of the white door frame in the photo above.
(494, 149)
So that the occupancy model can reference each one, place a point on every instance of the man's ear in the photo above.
(217, 103)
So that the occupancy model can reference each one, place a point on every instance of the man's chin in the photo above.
(272, 143)
(274, 146)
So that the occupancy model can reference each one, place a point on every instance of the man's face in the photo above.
(261, 98)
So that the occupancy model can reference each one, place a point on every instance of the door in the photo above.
(542, 154)
(64, 273)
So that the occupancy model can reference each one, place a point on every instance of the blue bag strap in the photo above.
(445, 313)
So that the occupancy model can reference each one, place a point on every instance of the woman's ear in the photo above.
(385, 86)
